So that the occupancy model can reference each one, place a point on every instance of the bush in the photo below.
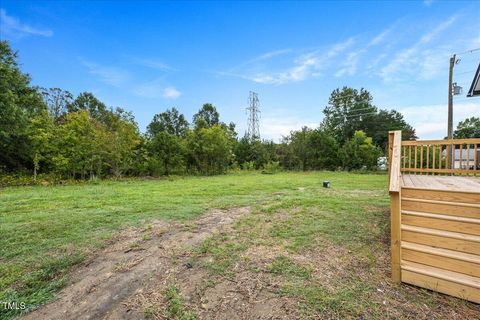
(26, 179)
(248, 165)
(271, 167)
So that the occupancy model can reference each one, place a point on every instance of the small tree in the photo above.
(87, 101)
(169, 150)
(468, 128)
(77, 144)
(40, 131)
(57, 101)
(254, 151)
(359, 152)
(19, 103)
(210, 149)
(170, 121)
(122, 140)
(349, 110)
(323, 150)
(209, 114)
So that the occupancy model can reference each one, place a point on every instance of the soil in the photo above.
(128, 278)
(105, 286)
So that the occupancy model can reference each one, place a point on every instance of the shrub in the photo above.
(271, 167)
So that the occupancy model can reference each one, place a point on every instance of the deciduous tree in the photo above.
(170, 121)
(468, 128)
(19, 103)
(209, 114)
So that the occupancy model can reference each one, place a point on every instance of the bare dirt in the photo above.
(128, 279)
(105, 286)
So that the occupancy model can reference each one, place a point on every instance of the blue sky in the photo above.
(150, 56)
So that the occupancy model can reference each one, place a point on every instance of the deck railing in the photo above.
(456, 156)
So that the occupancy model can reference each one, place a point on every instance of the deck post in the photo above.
(394, 154)
(395, 223)
(390, 151)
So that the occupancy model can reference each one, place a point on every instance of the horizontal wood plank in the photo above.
(440, 219)
(440, 285)
(472, 198)
(442, 252)
(441, 216)
(442, 274)
(441, 208)
(440, 142)
(452, 264)
(441, 224)
(439, 241)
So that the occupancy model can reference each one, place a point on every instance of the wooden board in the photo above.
(439, 223)
(465, 266)
(441, 239)
(436, 182)
(440, 285)
(395, 232)
(447, 208)
(434, 222)
(472, 198)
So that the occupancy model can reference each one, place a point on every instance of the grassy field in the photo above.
(45, 231)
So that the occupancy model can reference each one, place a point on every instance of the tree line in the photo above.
(51, 131)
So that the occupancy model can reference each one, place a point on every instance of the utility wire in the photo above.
(466, 99)
(468, 51)
(465, 72)
(354, 115)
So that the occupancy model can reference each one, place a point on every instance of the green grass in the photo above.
(46, 230)
(305, 217)
(285, 266)
(223, 250)
(176, 309)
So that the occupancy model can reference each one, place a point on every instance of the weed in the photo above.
(176, 309)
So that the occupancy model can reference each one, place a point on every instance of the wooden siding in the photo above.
(435, 219)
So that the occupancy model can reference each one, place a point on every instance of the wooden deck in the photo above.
(435, 215)
(450, 183)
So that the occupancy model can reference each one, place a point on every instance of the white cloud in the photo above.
(277, 127)
(262, 57)
(153, 64)
(271, 54)
(432, 63)
(12, 26)
(171, 93)
(339, 47)
(350, 65)
(428, 3)
(380, 37)
(430, 121)
(407, 60)
(304, 66)
(156, 89)
(427, 37)
(110, 75)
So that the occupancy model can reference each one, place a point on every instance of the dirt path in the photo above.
(242, 272)
(104, 287)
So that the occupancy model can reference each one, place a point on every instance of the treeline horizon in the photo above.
(49, 131)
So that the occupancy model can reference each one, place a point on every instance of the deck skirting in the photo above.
(435, 222)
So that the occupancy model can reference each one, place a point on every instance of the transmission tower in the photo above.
(253, 111)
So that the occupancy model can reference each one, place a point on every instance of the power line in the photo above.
(467, 99)
(468, 51)
(361, 109)
(465, 72)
